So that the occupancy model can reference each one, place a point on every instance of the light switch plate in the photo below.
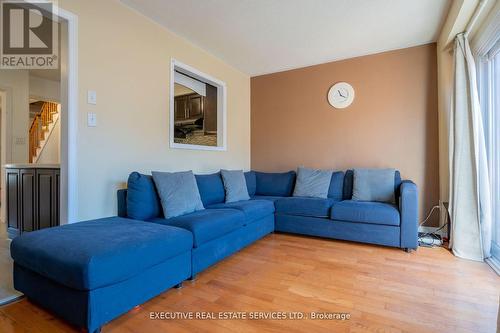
(91, 97)
(91, 119)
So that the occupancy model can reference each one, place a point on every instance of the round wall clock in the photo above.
(341, 95)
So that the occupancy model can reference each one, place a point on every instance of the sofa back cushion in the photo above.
(336, 190)
(349, 180)
(143, 202)
(251, 182)
(275, 184)
(211, 188)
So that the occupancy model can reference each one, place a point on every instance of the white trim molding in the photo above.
(221, 106)
(69, 124)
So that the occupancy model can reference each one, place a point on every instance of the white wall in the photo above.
(14, 122)
(125, 58)
(16, 83)
(44, 89)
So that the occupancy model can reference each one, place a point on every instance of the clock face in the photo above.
(341, 95)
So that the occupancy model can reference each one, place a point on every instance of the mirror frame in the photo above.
(221, 106)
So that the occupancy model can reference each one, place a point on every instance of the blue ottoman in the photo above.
(91, 272)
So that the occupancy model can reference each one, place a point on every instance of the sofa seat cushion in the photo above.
(272, 198)
(304, 206)
(365, 212)
(206, 224)
(253, 209)
(93, 254)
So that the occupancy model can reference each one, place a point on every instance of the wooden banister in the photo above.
(40, 126)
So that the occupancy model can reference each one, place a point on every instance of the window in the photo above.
(489, 86)
(197, 109)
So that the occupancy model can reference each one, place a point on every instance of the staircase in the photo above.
(41, 128)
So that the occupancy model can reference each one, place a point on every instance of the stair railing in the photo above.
(39, 127)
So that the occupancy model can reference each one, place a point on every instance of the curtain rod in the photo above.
(475, 16)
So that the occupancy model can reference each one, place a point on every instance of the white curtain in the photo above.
(470, 209)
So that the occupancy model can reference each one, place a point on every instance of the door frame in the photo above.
(69, 123)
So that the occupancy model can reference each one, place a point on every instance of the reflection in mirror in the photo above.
(195, 111)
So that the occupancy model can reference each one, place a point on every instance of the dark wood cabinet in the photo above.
(196, 106)
(32, 199)
(181, 108)
(189, 106)
(27, 203)
(13, 198)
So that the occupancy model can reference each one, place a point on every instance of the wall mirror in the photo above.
(197, 109)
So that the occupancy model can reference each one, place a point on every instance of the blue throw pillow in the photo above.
(235, 185)
(178, 192)
(143, 202)
(312, 183)
(374, 185)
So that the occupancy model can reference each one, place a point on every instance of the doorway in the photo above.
(15, 143)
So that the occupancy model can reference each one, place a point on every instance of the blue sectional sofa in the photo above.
(91, 272)
(224, 228)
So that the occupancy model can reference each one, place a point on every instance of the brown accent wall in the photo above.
(391, 123)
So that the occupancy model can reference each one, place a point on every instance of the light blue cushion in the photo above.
(348, 182)
(235, 185)
(178, 192)
(253, 209)
(208, 224)
(302, 206)
(313, 183)
(374, 185)
(365, 212)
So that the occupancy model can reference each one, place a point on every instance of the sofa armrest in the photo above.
(408, 208)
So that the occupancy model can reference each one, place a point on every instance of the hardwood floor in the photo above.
(383, 290)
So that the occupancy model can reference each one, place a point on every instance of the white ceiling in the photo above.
(265, 36)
